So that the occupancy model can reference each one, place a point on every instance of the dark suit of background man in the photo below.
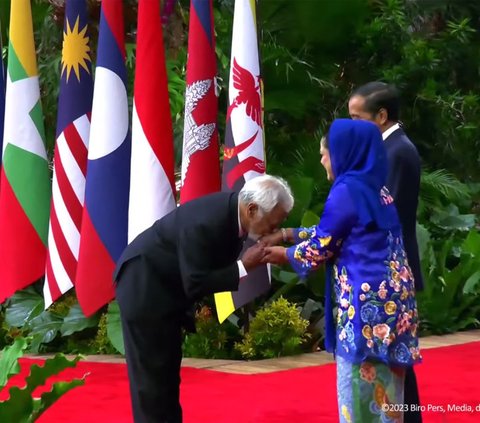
(379, 102)
(189, 253)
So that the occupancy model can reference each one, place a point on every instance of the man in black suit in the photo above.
(191, 252)
(379, 103)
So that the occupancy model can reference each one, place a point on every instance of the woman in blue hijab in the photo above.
(374, 332)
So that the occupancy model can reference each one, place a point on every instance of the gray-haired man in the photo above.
(189, 253)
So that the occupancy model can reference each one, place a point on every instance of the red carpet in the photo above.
(448, 376)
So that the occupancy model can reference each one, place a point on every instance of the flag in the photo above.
(152, 189)
(200, 162)
(105, 214)
(244, 151)
(2, 98)
(25, 178)
(70, 157)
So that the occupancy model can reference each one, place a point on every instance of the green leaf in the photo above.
(302, 188)
(44, 328)
(114, 327)
(286, 277)
(76, 321)
(471, 283)
(472, 243)
(52, 366)
(9, 360)
(18, 408)
(450, 219)
(23, 307)
(309, 219)
(58, 390)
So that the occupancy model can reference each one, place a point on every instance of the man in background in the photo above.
(379, 103)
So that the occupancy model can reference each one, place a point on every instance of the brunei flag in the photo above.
(244, 152)
(25, 179)
(200, 161)
(105, 215)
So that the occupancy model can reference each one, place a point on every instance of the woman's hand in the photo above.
(283, 235)
(275, 255)
(274, 238)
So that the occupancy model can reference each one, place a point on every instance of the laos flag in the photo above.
(105, 215)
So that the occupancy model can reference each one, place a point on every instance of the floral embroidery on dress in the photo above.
(313, 251)
(380, 320)
(305, 233)
(385, 196)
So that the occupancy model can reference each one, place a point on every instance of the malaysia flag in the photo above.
(71, 149)
(105, 215)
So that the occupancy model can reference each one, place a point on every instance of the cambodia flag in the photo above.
(105, 215)
(200, 162)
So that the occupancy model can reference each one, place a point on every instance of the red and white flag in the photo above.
(152, 183)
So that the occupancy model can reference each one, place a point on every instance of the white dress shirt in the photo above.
(242, 272)
(390, 131)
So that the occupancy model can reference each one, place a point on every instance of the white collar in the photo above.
(390, 131)
(240, 229)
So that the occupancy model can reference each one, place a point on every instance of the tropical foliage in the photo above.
(23, 405)
(313, 54)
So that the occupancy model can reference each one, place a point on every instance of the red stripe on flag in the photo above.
(113, 13)
(72, 203)
(230, 152)
(77, 147)
(94, 280)
(151, 88)
(22, 252)
(249, 164)
(52, 282)
(66, 255)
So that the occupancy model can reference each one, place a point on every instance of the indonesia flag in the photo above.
(105, 215)
(200, 162)
(244, 153)
(71, 149)
(152, 189)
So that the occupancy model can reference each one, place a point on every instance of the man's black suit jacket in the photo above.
(187, 254)
(403, 183)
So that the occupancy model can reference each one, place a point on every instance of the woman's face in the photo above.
(325, 161)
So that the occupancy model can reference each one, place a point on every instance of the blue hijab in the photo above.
(359, 160)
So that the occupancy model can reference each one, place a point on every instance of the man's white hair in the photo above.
(266, 192)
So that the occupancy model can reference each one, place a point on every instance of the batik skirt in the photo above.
(370, 392)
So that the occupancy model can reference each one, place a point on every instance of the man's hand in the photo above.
(275, 255)
(253, 256)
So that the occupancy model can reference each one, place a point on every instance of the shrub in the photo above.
(276, 330)
(211, 340)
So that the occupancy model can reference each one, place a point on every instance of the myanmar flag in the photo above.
(25, 181)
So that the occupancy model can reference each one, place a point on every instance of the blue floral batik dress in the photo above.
(374, 331)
